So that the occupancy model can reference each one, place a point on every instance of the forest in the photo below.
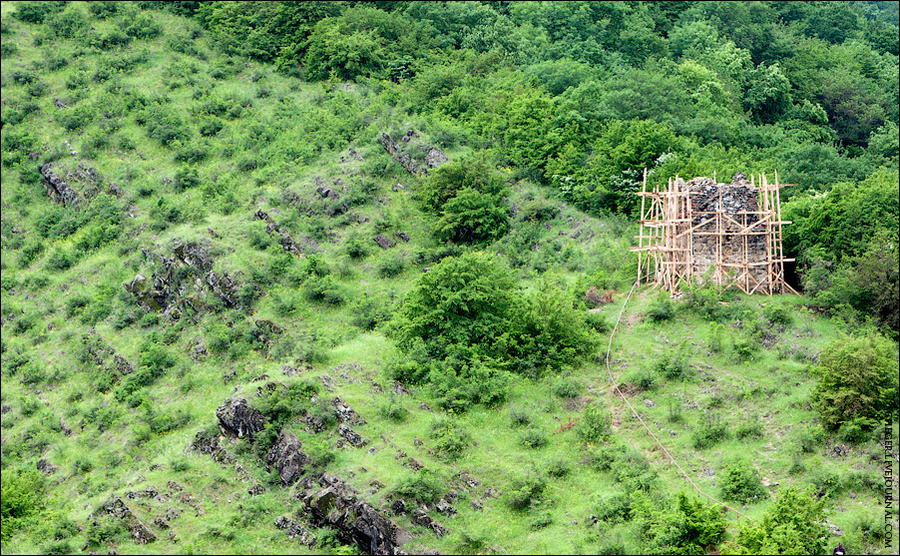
(354, 278)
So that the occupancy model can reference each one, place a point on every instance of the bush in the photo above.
(792, 525)
(674, 366)
(423, 487)
(595, 424)
(740, 481)
(557, 468)
(450, 439)
(857, 380)
(711, 430)
(533, 439)
(392, 267)
(467, 198)
(661, 309)
(566, 388)
(22, 498)
(750, 427)
(615, 508)
(523, 493)
(393, 410)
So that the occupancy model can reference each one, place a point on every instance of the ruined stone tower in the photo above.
(702, 230)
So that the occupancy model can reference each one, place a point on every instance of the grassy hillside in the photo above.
(221, 243)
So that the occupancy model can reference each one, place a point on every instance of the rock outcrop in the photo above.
(431, 157)
(288, 458)
(337, 505)
(238, 418)
(114, 506)
(57, 189)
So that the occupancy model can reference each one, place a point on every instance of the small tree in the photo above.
(793, 525)
(858, 380)
(467, 196)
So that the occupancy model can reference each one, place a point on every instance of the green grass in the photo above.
(110, 449)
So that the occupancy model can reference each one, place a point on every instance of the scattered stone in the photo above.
(295, 530)
(419, 517)
(46, 467)
(413, 464)
(650, 403)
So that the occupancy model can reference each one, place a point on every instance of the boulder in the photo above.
(287, 457)
(238, 418)
(383, 241)
(46, 467)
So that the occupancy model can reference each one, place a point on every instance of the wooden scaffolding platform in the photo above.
(684, 236)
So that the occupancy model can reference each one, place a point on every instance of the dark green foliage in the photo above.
(394, 410)
(710, 431)
(36, 12)
(628, 467)
(857, 380)
(523, 493)
(740, 481)
(450, 440)
(467, 198)
(533, 439)
(615, 508)
(22, 498)
(566, 388)
(595, 424)
(423, 487)
(661, 309)
(794, 524)
(674, 364)
(688, 527)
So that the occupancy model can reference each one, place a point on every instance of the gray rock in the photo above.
(288, 458)
(238, 418)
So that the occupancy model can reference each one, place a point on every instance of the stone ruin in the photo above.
(700, 230)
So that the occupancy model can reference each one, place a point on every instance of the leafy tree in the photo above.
(857, 379)
(467, 197)
(687, 527)
(792, 525)
(769, 94)
(465, 301)
(741, 481)
(364, 41)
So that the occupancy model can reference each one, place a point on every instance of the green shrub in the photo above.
(426, 486)
(566, 388)
(595, 424)
(674, 365)
(393, 410)
(661, 309)
(857, 381)
(740, 481)
(710, 431)
(450, 440)
(614, 508)
(391, 267)
(23, 496)
(792, 525)
(558, 468)
(533, 439)
(523, 493)
(749, 427)
(519, 417)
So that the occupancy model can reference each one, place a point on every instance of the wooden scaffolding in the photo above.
(735, 243)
